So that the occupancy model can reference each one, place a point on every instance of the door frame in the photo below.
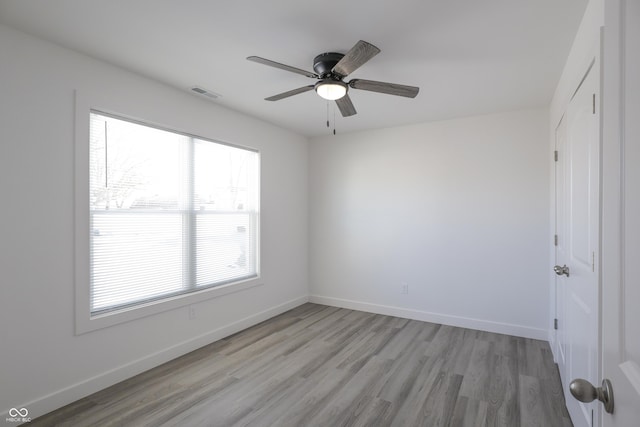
(616, 133)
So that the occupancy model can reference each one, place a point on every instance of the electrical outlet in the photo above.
(192, 312)
(404, 288)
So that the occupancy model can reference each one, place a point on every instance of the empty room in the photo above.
(292, 213)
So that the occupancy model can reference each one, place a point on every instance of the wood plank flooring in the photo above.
(325, 366)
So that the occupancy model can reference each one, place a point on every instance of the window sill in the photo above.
(87, 323)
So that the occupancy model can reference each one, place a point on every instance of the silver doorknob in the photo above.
(584, 391)
(561, 270)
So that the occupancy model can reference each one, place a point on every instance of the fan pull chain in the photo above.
(327, 114)
(334, 120)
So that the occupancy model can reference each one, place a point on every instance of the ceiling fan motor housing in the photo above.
(324, 63)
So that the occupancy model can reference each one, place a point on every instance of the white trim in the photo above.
(64, 396)
(445, 319)
(84, 320)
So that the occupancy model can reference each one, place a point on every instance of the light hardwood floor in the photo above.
(325, 366)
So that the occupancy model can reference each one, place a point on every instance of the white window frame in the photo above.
(84, 320)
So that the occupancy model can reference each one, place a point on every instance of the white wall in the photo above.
(456, 209)
(42, 364)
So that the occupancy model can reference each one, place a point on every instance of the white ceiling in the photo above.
(468, 57)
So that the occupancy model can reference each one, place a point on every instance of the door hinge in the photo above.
(555, 155)
(555, 324)
(555, 240)
(594, 103)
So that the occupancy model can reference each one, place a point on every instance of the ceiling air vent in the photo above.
(204, 92)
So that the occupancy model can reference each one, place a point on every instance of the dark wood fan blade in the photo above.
(382, 87)
(282, 66)
(346, 106)
(355, 58)
(290, 93)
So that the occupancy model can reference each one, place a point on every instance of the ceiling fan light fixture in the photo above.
(331, 89)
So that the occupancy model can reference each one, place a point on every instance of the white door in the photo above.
(621, 212)
(578, 229)
(560, 255)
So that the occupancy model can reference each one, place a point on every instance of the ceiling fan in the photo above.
(330, 70)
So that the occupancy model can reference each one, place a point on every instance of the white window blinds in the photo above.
(169, 213)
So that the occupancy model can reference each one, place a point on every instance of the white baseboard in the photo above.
(445, 319)
(103, 380)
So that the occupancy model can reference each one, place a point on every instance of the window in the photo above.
(169, 214)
